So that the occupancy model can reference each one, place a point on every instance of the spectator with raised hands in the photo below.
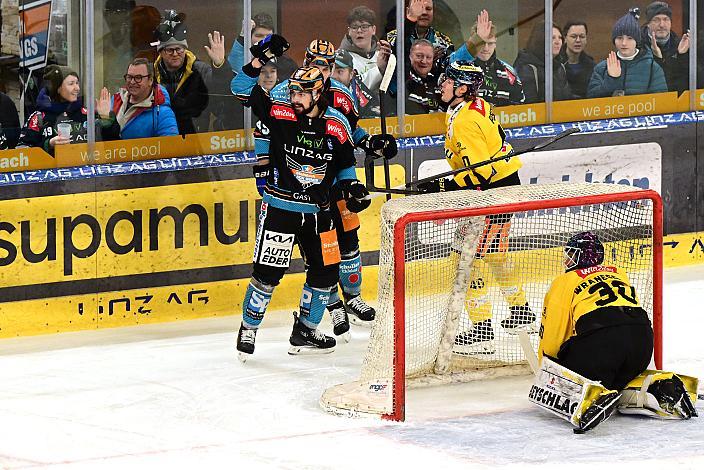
(418, 25)
(142, 108)
(60, 118)
(184, 77)
(669, 50)
(630, 70)
(578, 64)
(501, 85)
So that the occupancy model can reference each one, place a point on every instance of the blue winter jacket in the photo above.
(155, 121)
(638, 76)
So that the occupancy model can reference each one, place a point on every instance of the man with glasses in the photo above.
(578, 64)
(669, 50)
(185, 78)
(142, 108)
(369, 54)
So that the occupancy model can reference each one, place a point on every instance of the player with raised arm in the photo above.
(310, 148)
(346, 201)
(595, 334)
(474, 135)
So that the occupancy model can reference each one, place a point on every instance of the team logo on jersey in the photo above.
(336, 129)
(342, 101)
(34, 122)
(307, 175)
(511, 77)
(283, 112)
(478, 106)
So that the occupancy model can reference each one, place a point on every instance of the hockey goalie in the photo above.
(596, 342)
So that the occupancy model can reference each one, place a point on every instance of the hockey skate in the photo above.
(360, 313)
(340, 321)
(305, 340)
(245, 343)
(598, 412)
(521, 318)
(477, 341)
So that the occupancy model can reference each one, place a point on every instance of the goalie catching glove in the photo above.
(384, 142)
(271, 46)
(355, 194)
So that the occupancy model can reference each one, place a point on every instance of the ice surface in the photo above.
(175, 396)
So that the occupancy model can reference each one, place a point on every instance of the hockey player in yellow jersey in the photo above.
(593, 325)
(474, 135)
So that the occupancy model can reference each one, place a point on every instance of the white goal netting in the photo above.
(467, 265)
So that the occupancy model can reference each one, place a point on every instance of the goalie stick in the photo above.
(491, 160)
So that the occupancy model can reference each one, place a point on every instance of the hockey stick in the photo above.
(383, 88)
(531, 357)
(491, 159)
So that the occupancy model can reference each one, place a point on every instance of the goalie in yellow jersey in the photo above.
(596, 342)
(474, 135)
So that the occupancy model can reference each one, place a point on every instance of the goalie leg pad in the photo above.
(582, 402)
(660, 394)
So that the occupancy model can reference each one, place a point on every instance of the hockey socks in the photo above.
(313, 303)
(351, 274)
(256, 300)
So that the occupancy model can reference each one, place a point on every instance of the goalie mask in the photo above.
(463, 72)
(583, 250)
(307, 80)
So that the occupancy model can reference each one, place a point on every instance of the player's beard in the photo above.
(300, 110)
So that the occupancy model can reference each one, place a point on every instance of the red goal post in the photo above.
(428, 254)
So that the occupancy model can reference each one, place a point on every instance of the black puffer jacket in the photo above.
(187, 88)
(531, 69)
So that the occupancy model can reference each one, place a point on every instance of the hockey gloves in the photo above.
(261, 174)
(355, 195)
(384, 142)
(440, 185)
(318, 194)
(271, 46)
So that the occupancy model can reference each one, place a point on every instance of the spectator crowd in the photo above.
(164, 89)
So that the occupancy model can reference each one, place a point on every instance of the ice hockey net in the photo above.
(428, 250)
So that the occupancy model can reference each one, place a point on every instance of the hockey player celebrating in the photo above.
(310, 147)
(596, 341)
(474, 135)
(321, 55)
